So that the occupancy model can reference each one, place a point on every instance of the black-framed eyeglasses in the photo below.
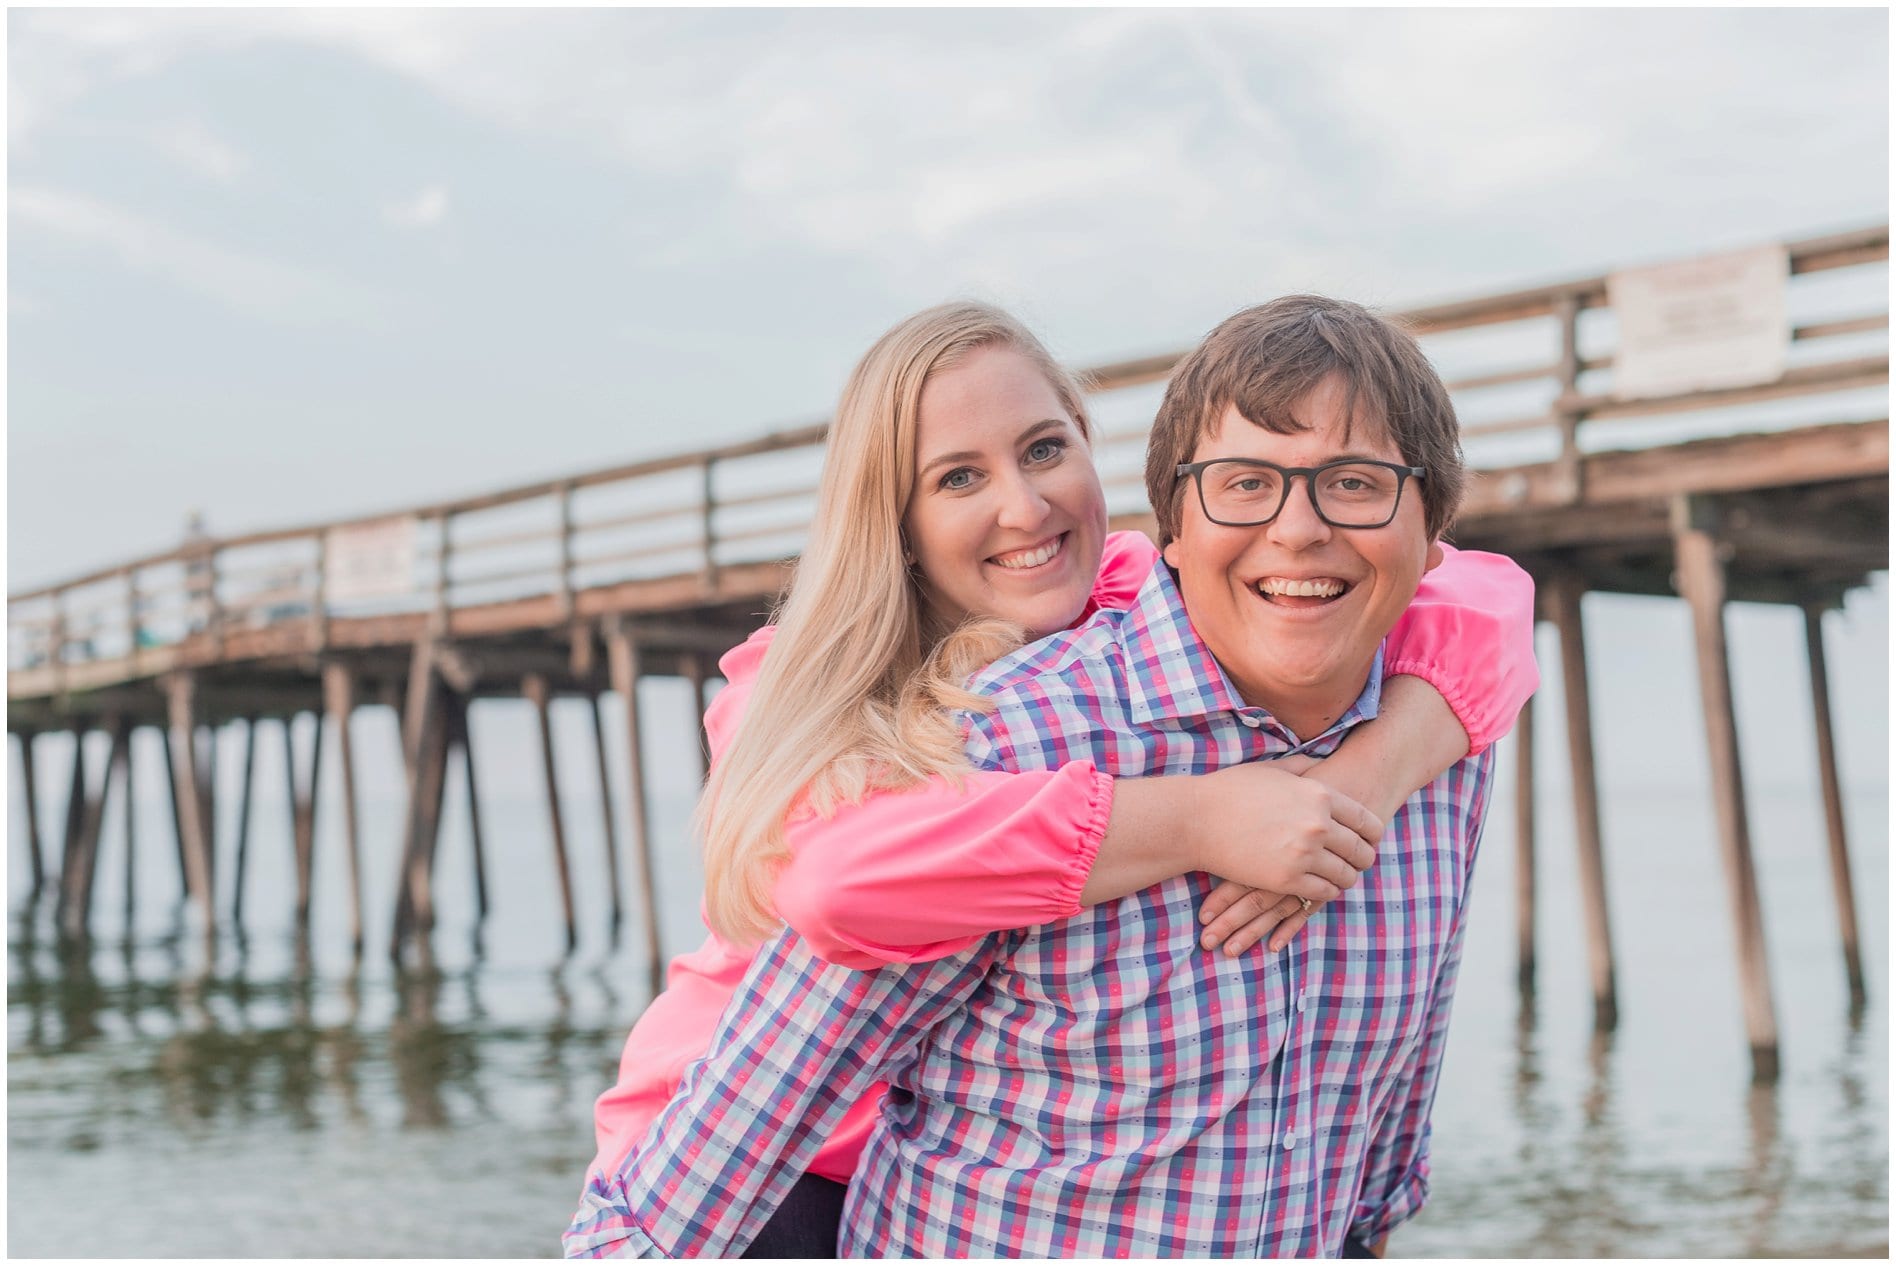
(1351, 492)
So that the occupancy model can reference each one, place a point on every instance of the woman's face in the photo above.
(1006, 517)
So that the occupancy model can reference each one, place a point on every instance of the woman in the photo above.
(958, 484)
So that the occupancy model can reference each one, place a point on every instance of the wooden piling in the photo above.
(167, 748)
(1564, 599)
(207, 796)
(622, 662)
(1833, 802)
(302, 789)
(534, 687)
(695, 678)
(244, 799)
(29, 794)
(1524, 847)
(463, 735)
(193, 830)
(82, 853)
(596, 706)
(1701, 578)
(339, 699)
(131, 838)
(424, 738)
(72, 829)
(78, 917)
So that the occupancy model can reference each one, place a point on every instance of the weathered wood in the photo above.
(695, 678)
(339, 699)
(1564, 603)
(207, 795)
(82, 843)
(302, 791)
(245, 797)
(1524, 847)
(423, 731)
(1833, 804)
(72, 831)
(622, 661)
(29, 796)
(181, 691)
(78, 913)
(464, 736)
(534, 687)
(166, 749)
(596, 706)
(131, 836)
(1702, 583)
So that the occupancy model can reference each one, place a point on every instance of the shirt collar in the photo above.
(1171, 674)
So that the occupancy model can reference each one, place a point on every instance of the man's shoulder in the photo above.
(1063, 663)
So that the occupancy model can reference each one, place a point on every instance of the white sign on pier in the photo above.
(1700, 324)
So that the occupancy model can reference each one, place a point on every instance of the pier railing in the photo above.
(1530, 371)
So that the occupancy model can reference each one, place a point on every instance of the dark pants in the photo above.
(805, 1224)
(1353, 1247)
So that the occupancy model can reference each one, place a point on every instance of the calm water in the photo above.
(258, 1105)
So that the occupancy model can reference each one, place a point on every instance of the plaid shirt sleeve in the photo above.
(801, 1042)
(1396, 1175)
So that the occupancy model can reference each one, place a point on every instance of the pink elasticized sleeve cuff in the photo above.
(910, 876)
(1470, 634)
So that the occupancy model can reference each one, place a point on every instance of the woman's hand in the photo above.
(1276, 839)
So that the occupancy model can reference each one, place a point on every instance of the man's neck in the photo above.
(1306, 711)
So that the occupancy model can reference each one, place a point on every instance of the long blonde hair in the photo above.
(857, 689)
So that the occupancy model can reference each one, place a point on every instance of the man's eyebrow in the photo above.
(966, 455)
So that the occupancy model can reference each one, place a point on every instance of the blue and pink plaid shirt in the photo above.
(1098, 1087)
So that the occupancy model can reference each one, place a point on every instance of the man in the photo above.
(1102, 1086)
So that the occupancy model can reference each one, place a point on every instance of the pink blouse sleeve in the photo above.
(919, 874)
(1470, 634)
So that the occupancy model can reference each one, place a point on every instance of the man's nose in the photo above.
(1298, 525)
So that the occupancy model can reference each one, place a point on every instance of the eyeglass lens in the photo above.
(1348, 496)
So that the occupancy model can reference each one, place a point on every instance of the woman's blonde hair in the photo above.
(857, 690)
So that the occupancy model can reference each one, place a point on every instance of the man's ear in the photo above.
(1171, 562)
(1434, 559)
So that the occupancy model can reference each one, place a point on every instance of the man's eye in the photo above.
(1352, 483)
(958, 478)
(1045, 450)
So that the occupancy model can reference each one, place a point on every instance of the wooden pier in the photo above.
(584, 586)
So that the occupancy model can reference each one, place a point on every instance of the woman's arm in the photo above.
(1457, 668)
(915, 875)
(918, 874)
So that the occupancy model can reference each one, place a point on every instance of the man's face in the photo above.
(1303, 655)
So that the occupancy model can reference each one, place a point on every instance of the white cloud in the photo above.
(246, 283)
(195, 147)
(426, 209)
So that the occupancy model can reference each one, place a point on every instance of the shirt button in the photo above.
(1290, 1140)
(1303, 1000)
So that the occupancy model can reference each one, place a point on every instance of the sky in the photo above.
(283, 266)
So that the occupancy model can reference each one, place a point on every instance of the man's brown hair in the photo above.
(1266, 359)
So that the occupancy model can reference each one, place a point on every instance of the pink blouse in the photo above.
(913, 875)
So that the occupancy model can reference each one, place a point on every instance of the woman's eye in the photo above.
(958, 478)
(1045, 450)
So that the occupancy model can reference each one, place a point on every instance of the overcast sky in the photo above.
(288, 265)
